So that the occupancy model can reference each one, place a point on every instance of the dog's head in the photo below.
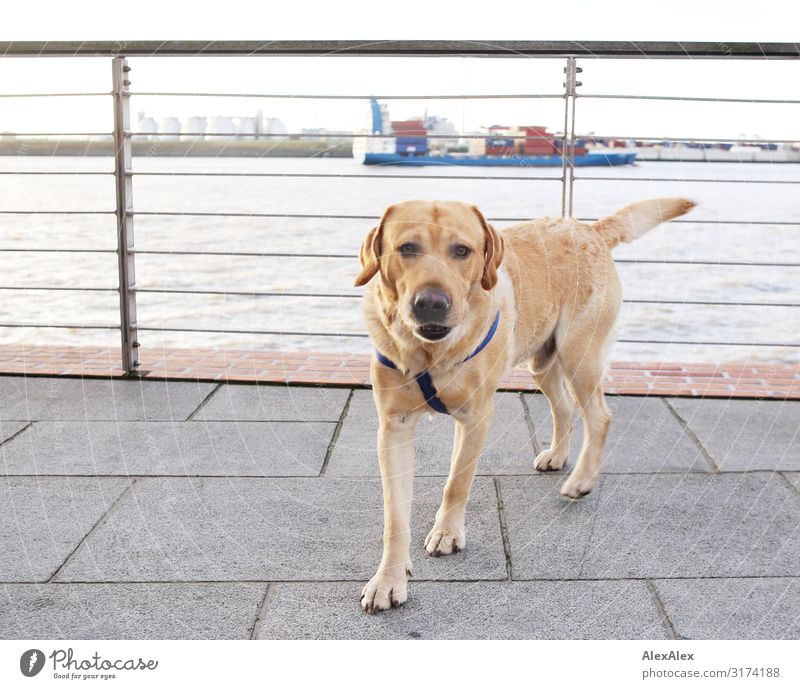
(432, 256)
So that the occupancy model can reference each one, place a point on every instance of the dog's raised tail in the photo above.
(637, 218)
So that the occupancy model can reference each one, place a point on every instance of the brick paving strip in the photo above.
(746, 380)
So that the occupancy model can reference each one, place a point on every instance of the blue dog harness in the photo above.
(424, 379)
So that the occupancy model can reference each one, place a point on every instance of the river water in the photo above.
(759, 195)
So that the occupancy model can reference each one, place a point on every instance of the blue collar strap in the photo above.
(424, 379)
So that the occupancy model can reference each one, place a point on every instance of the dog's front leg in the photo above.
(448, 534)
(389, 586)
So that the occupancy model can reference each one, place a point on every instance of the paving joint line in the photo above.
(260, 612)
(103, 519)
(360, 580)
(14, 435)
(595, 516)
(693, 436)
(534, 475)
(501, 512)
(336, 431)
(795, 488)
(171, 422)
(662, 611)
(204, 401)
(531, 427)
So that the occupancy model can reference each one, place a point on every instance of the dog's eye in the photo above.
(461, 251)
(408, 249)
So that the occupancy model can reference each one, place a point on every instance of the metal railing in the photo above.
(122, 135)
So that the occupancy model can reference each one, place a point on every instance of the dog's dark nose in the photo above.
(430, 306)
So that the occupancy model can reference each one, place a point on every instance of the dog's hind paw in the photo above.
(577, 486)
(550, 460)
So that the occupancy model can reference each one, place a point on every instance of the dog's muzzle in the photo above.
(431, 308)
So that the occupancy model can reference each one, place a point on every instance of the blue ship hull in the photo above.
(588, 159)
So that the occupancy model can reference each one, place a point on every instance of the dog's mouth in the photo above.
(433, 332)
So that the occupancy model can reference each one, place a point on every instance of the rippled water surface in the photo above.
(730, 212)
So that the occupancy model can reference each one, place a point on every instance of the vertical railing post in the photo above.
(571, 84)
(564, 140)
(124, 185)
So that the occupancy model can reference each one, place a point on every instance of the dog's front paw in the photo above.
(577, 486)
(445, 541)
(550, 460)
(385, 590)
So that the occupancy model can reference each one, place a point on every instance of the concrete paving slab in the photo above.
(743, 435)
(42, 520)
(94, 399)
(645, 437)
(548, 535)
(732, 608)
(654, 526)
(9, 428)
(129, 611)
(215, 529)
(508, 450)
(468, 610)
(274, 403)
(186, 448)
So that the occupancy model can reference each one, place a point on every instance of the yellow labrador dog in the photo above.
(452, 305)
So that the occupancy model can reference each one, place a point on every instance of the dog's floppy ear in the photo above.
(370, 254)
(492, 253)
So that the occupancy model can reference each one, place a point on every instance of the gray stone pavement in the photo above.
(145, 509)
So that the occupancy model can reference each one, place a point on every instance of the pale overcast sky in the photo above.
(679, 20)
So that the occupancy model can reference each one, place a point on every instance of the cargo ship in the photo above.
(433, 141)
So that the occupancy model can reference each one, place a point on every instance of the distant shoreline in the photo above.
(285, 148)
(265, 148)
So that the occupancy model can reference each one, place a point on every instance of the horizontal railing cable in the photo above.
(778, 223)
(56, 251)
(355, 295)
(81, 326)
(341, 96)
(343, 135)
(336, 175)
(288, 333)
(55, 172)
(328, 216)
(714, 180)
(303, 333)
(38, 288)
(306, 216)
(270, 254)
(54, 95)
(687, 302)
(706, 99)
(54, 212)
(5, 135)
(686, 139)
(713, 343)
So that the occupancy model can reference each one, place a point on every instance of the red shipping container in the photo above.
(410, 128)
(537, 142)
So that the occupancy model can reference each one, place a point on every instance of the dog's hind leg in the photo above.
(550, 381)
(448, 534)
(584, 365)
